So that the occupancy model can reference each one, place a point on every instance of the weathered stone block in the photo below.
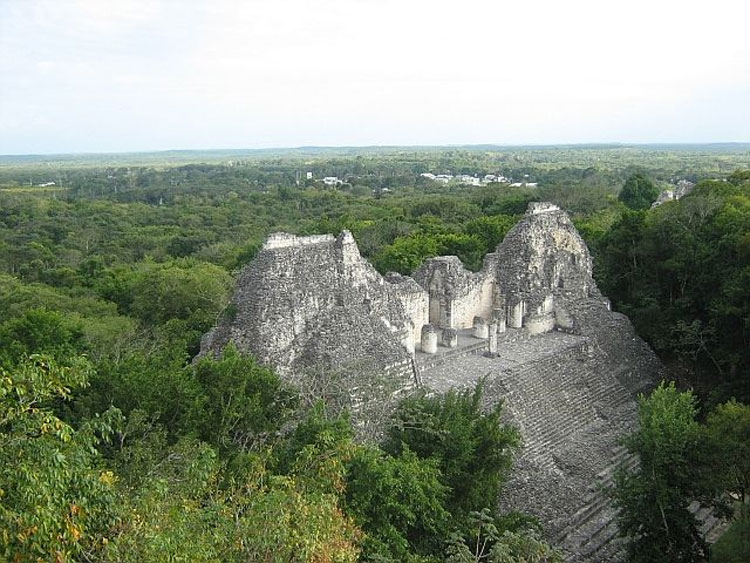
(539, 324)
(481, 329)
(429, 339)
(549, 304)
(563, 320)
(450, 337)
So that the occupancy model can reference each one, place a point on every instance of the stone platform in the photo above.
(463, 366)
(466, 339)
(571, 402)
(468, 344)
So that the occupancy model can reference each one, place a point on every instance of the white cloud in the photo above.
(147, 74)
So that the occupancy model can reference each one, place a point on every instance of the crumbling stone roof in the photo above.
(544, 254)
(335, 341)
(303, 294)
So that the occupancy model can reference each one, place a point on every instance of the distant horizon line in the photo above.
(331, 148)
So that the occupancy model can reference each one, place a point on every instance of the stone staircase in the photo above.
(427, 362)
(403, 371)
(709, 525)
(551, 404)
(591, 534)
(558, 401)
(571, 403)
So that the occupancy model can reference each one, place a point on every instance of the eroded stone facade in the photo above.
(316, 299)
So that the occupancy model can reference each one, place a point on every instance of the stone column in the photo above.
(480, 328)
(515, 315)
(492, 341)
(498, 318)
(429, 339)
(549, 304)
(450, 337)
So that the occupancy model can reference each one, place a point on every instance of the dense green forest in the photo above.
(115, 447)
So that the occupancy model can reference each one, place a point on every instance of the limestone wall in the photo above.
(415, 303)
(456, 295)
(476, 302)
(416, 309)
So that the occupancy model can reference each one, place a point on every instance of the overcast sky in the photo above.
(129, 75)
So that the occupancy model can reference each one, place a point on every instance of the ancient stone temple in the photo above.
(315, 298)
(531, 323)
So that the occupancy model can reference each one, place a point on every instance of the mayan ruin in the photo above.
(531, 323)
(374, 282)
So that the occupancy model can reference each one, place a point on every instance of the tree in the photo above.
(406, 254)
(491, 230)
(622, 258)
(55, 502)
(472, 448)
(489, 544)
(189, 509)
(660, 268)
(317, 427)
(191, 291)
(727, 436)
(39, 331)
(638, 192)
(653, 499)
(241, 404)
(398, 502)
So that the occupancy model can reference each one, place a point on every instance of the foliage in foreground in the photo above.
(489, 544)
(241, 481)
(734, 544)
(472, 448)
(681, 460)
(192, 509)
(653, 500)
(56, 501)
